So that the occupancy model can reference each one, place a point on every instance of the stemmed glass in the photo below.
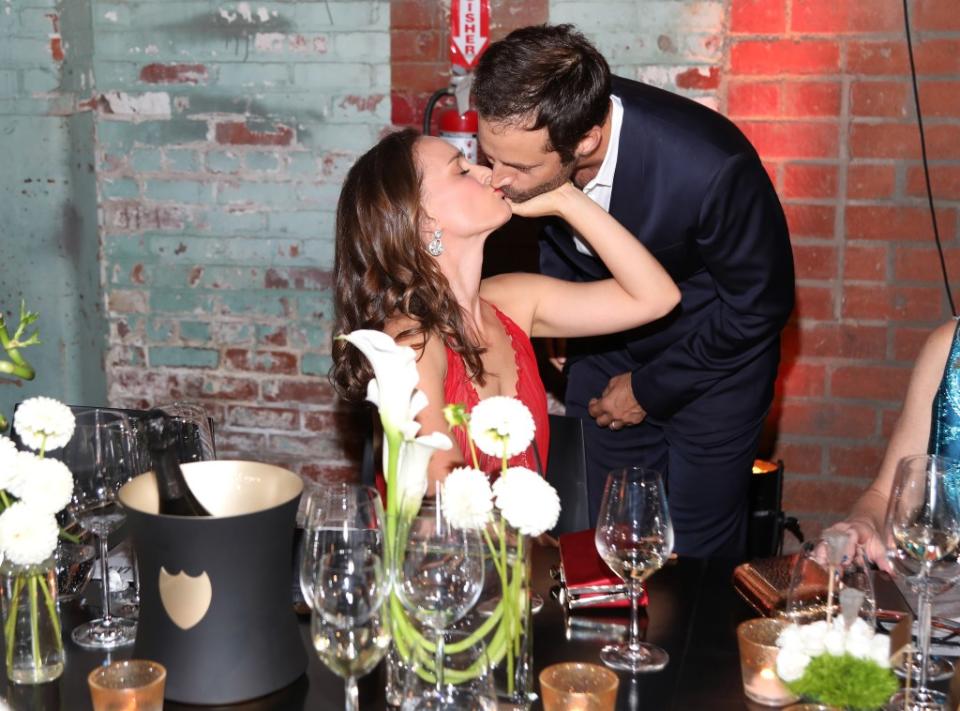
(635, 538)
(922, 533)
(440, 578)
(341, 516)
(349, 624)
(102, 456)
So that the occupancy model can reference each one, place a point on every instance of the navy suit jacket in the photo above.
(692, 189)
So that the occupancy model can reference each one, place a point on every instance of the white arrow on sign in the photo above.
(469, 38)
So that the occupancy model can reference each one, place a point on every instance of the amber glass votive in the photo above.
(574, 686)
(129, 685)
(758, 662)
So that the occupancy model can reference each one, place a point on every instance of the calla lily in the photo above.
(395, 375)
(412, 475)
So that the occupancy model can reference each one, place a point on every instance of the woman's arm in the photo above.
(865, 523)
(639, 292)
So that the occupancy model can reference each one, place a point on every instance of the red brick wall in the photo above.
(822, 88)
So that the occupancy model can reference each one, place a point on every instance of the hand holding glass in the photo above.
(923, 532)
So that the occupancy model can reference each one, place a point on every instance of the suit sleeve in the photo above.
(745, 246)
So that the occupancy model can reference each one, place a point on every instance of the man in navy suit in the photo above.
(686, 395)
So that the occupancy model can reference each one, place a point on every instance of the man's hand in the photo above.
(617, 408)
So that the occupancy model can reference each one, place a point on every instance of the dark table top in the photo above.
(693, 614)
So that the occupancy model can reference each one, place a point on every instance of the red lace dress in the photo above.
(457, 388)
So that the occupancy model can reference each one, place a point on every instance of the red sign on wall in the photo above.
(469, 31)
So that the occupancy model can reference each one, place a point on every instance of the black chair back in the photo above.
(567, 473)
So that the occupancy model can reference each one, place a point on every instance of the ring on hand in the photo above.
(616, 425)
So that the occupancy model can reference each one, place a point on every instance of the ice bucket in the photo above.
(215, 605)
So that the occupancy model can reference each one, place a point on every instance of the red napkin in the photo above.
(582, 566)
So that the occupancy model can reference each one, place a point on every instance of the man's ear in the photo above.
(590, 141)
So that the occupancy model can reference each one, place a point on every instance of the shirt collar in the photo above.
(608, 167)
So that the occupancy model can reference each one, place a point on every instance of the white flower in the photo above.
(412, 472)
(27, 536)
(395, 377)
(790, 637)
(791, 663)
(44, 423)
(526, 501)
(880, 650)
(812, 637)
(834, 641)
(467, 498)
(8, 461)
(22, 466)
(501, 421)
(47, 485)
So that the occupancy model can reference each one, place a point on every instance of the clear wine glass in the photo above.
(349, 624)
(440, 576)
(635, 538)
(335, 517)
(923, 533)
(102, 456)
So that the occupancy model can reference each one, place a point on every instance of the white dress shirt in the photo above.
(601, 187)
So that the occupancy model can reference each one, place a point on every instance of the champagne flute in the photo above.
(102, 456)
(441, 576)
(335, 517)
(349, 624)
(634, 537)
(922, 532)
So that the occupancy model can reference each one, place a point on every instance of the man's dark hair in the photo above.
(550, 73)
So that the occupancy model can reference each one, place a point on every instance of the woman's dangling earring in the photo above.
(435, 247)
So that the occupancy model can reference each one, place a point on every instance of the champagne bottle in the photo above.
(176, 499)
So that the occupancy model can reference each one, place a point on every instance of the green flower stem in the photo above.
(67, 536)
(34, 620)
(4, 499)
(43, 446)
(493, 555)
(52, 610)
(11, 624)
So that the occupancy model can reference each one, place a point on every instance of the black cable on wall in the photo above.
(923, 153)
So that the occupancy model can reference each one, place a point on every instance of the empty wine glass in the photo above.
(102, 456)
(468, 684)
(635, 538)
(923, 533)
(338, 516)
(440, 576)
(349, 624)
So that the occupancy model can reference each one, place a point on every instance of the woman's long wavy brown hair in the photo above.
(382, 270)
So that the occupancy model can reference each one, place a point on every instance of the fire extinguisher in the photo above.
(457, 127)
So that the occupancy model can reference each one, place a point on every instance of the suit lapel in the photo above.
(625, 204)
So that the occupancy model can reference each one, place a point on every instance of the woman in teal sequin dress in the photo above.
(929, 422)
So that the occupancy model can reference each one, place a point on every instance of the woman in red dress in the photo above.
(411, 222)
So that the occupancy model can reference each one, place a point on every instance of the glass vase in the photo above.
(33, 643)
(510, 641)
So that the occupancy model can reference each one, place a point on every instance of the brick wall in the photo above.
(822, 88)
(224, 131)
(48, 206)
(677, 46)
